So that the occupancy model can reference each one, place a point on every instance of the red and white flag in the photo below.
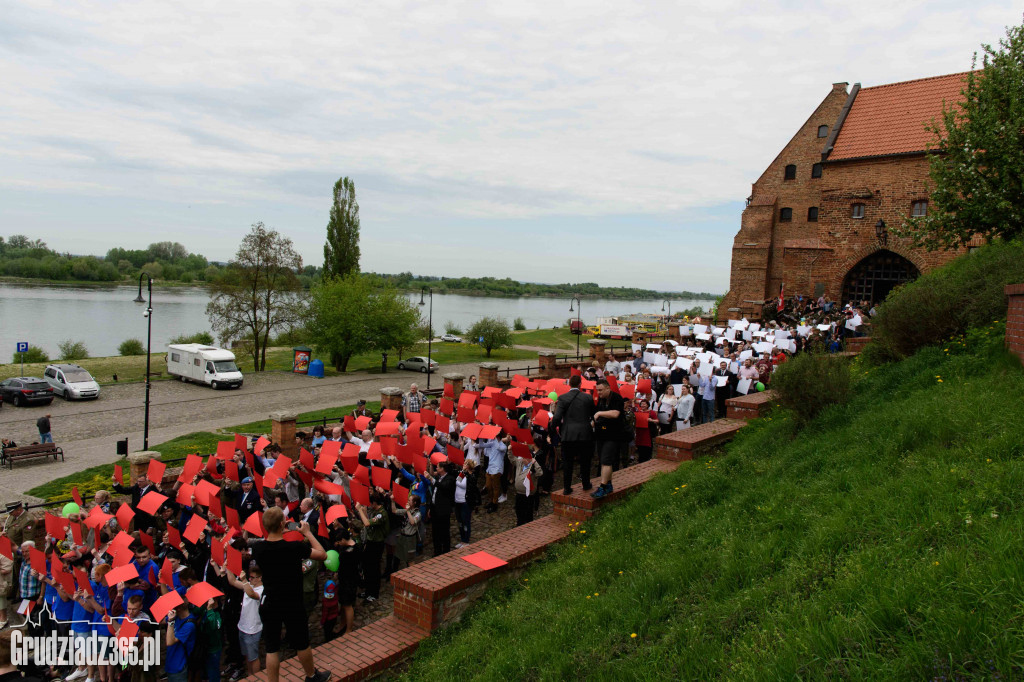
(782, 300)
(528, 483)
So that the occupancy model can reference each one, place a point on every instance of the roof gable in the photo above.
(890, 119)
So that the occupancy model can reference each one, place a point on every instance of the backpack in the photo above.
(197, 657)
(629, 422)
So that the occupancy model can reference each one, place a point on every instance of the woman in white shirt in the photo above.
(666, 408)
(684, 409)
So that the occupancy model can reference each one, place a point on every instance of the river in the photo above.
(104, 316)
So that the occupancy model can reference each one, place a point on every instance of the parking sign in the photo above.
(22, 347)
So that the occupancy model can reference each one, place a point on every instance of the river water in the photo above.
(104, 316)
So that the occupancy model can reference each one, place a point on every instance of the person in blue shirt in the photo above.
(318, 436)
(148, 573)
(181, 639)
(495, 451)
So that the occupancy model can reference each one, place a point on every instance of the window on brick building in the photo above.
(785, 215)
(816, 170)
(790, 172)
(812, 214)
(822, 131)
(919, 209)
(857, 211)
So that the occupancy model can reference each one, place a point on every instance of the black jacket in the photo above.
(573, 414)
(444, 497)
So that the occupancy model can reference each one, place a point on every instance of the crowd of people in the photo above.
(214, 565)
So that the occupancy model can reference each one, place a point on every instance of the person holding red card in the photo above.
(281, 562)
(143, 520)
(573, 414)
(377, 525)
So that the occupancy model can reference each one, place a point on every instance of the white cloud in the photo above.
(472, 112)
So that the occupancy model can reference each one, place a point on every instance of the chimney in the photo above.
(841, 87)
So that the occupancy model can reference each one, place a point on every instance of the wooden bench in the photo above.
(10, 455)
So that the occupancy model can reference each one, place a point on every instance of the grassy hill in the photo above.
(882, 541)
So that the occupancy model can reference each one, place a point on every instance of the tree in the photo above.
(341, 251)
(348, 315)
(977, 162)
(495, 333)
(258, 292)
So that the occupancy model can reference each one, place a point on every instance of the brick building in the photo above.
(818, 217)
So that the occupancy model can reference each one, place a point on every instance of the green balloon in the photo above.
(759, 386)
(332, 560)
(71, 508)
(553, 396)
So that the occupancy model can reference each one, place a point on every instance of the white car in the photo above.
(451, 338)
(71, 382)
(417, 364)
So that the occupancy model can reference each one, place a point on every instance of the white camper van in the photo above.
(203, 364)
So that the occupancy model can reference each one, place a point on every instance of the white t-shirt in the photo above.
(460, 489)
(249, 622)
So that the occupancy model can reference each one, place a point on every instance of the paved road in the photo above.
(88, 431)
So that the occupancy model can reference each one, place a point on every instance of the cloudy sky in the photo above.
(546, 141)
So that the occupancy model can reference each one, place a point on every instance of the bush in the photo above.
(518, 324)
(808, 383)
(452, 328)
(34, 354)
(131, 347)
(965, 293)
(205, 338)
(293, 337)
(72, 350)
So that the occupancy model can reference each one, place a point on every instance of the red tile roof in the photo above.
(891, 119)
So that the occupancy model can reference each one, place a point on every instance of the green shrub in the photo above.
(965, 293)
(205, 338)
(518, 324)
(34, 354)
(293, 337)
(452, 328)
(810, 382)
(72, 350)
(131, 347)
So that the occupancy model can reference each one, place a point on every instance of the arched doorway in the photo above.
(874, 277)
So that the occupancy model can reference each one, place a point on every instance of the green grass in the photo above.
(442, 353)
(128, 368)
(559, 339)
(882, 541)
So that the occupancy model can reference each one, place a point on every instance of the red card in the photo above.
(147, 540)
(419, 464)
(465, 415)
(184, 496)
(81, 579)
(167, 574)
(78, 498)
(261, 443)
(446, 406)
(542, 418)
(258, 480)
(387, 429)
(442, 424)
(362, 475)
(449, 390)
(387, 416)
(456, 455)
(215, 510)
(281, 466)
(196, 525)
(521, 450)
(38, 560)
(330, 447)
(120, 541)
(428, 445)
(388, 447)
(231, 470)
(205, 491)
(471, 431)
(66, 581)
(76, 534)
(381, 477)
(118, 474)
(225, 449)
(400, 494)
(362, 423)
(234, 561)
(628, 391)
(241, 442)
(54, 525)
(128, 630)
(217, 551)
(231, 516)
(328, 488)
(124, 515)
(485, 561)
(643, 387)
(200, 593)
(155, 472)
(174, 537)
(429, 417)
(613, 384)
(306, 459)
(122, 574)
(254, 524)
(350, 423)
(193, 463)
(326, 463)
(489, 432)
(483, 414)
(350, 463)
(151, 502)
(437, 458)
(468, 399)
(162, 606)
(305, 477)
(5, 547)
(360, 493)
(335, 512)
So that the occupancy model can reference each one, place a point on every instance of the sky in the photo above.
(543, 141)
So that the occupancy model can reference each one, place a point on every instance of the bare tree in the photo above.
(259, 292)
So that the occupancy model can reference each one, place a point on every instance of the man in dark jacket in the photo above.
(142, 520)
(248, 500)
(441, 509)
(573, 414)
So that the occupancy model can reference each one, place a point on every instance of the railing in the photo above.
(509, 371)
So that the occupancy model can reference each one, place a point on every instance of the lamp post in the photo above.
(668, 320)
(430, 327)
(882, 233)
(149, 342)
(579, 325)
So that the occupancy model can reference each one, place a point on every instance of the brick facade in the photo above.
(811, 256)
(1015, 319)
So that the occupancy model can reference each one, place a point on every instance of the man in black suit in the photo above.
(143, 521)
(441, 509)
(574, 413)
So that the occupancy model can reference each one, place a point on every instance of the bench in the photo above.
(10, 455)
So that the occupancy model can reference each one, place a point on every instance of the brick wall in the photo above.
(1015, 319)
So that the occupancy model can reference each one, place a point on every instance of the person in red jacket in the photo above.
(646, 419)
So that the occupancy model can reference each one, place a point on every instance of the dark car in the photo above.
(26, 391)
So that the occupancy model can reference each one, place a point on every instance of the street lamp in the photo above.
(579, 325)
(882, 233)
(430, 327)
(668, 320)
(149, 342)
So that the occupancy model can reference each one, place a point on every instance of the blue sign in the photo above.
(481, 339)
(22, 347)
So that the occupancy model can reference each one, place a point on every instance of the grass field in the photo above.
(883, 541)
(127, 368)
(560, 339)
